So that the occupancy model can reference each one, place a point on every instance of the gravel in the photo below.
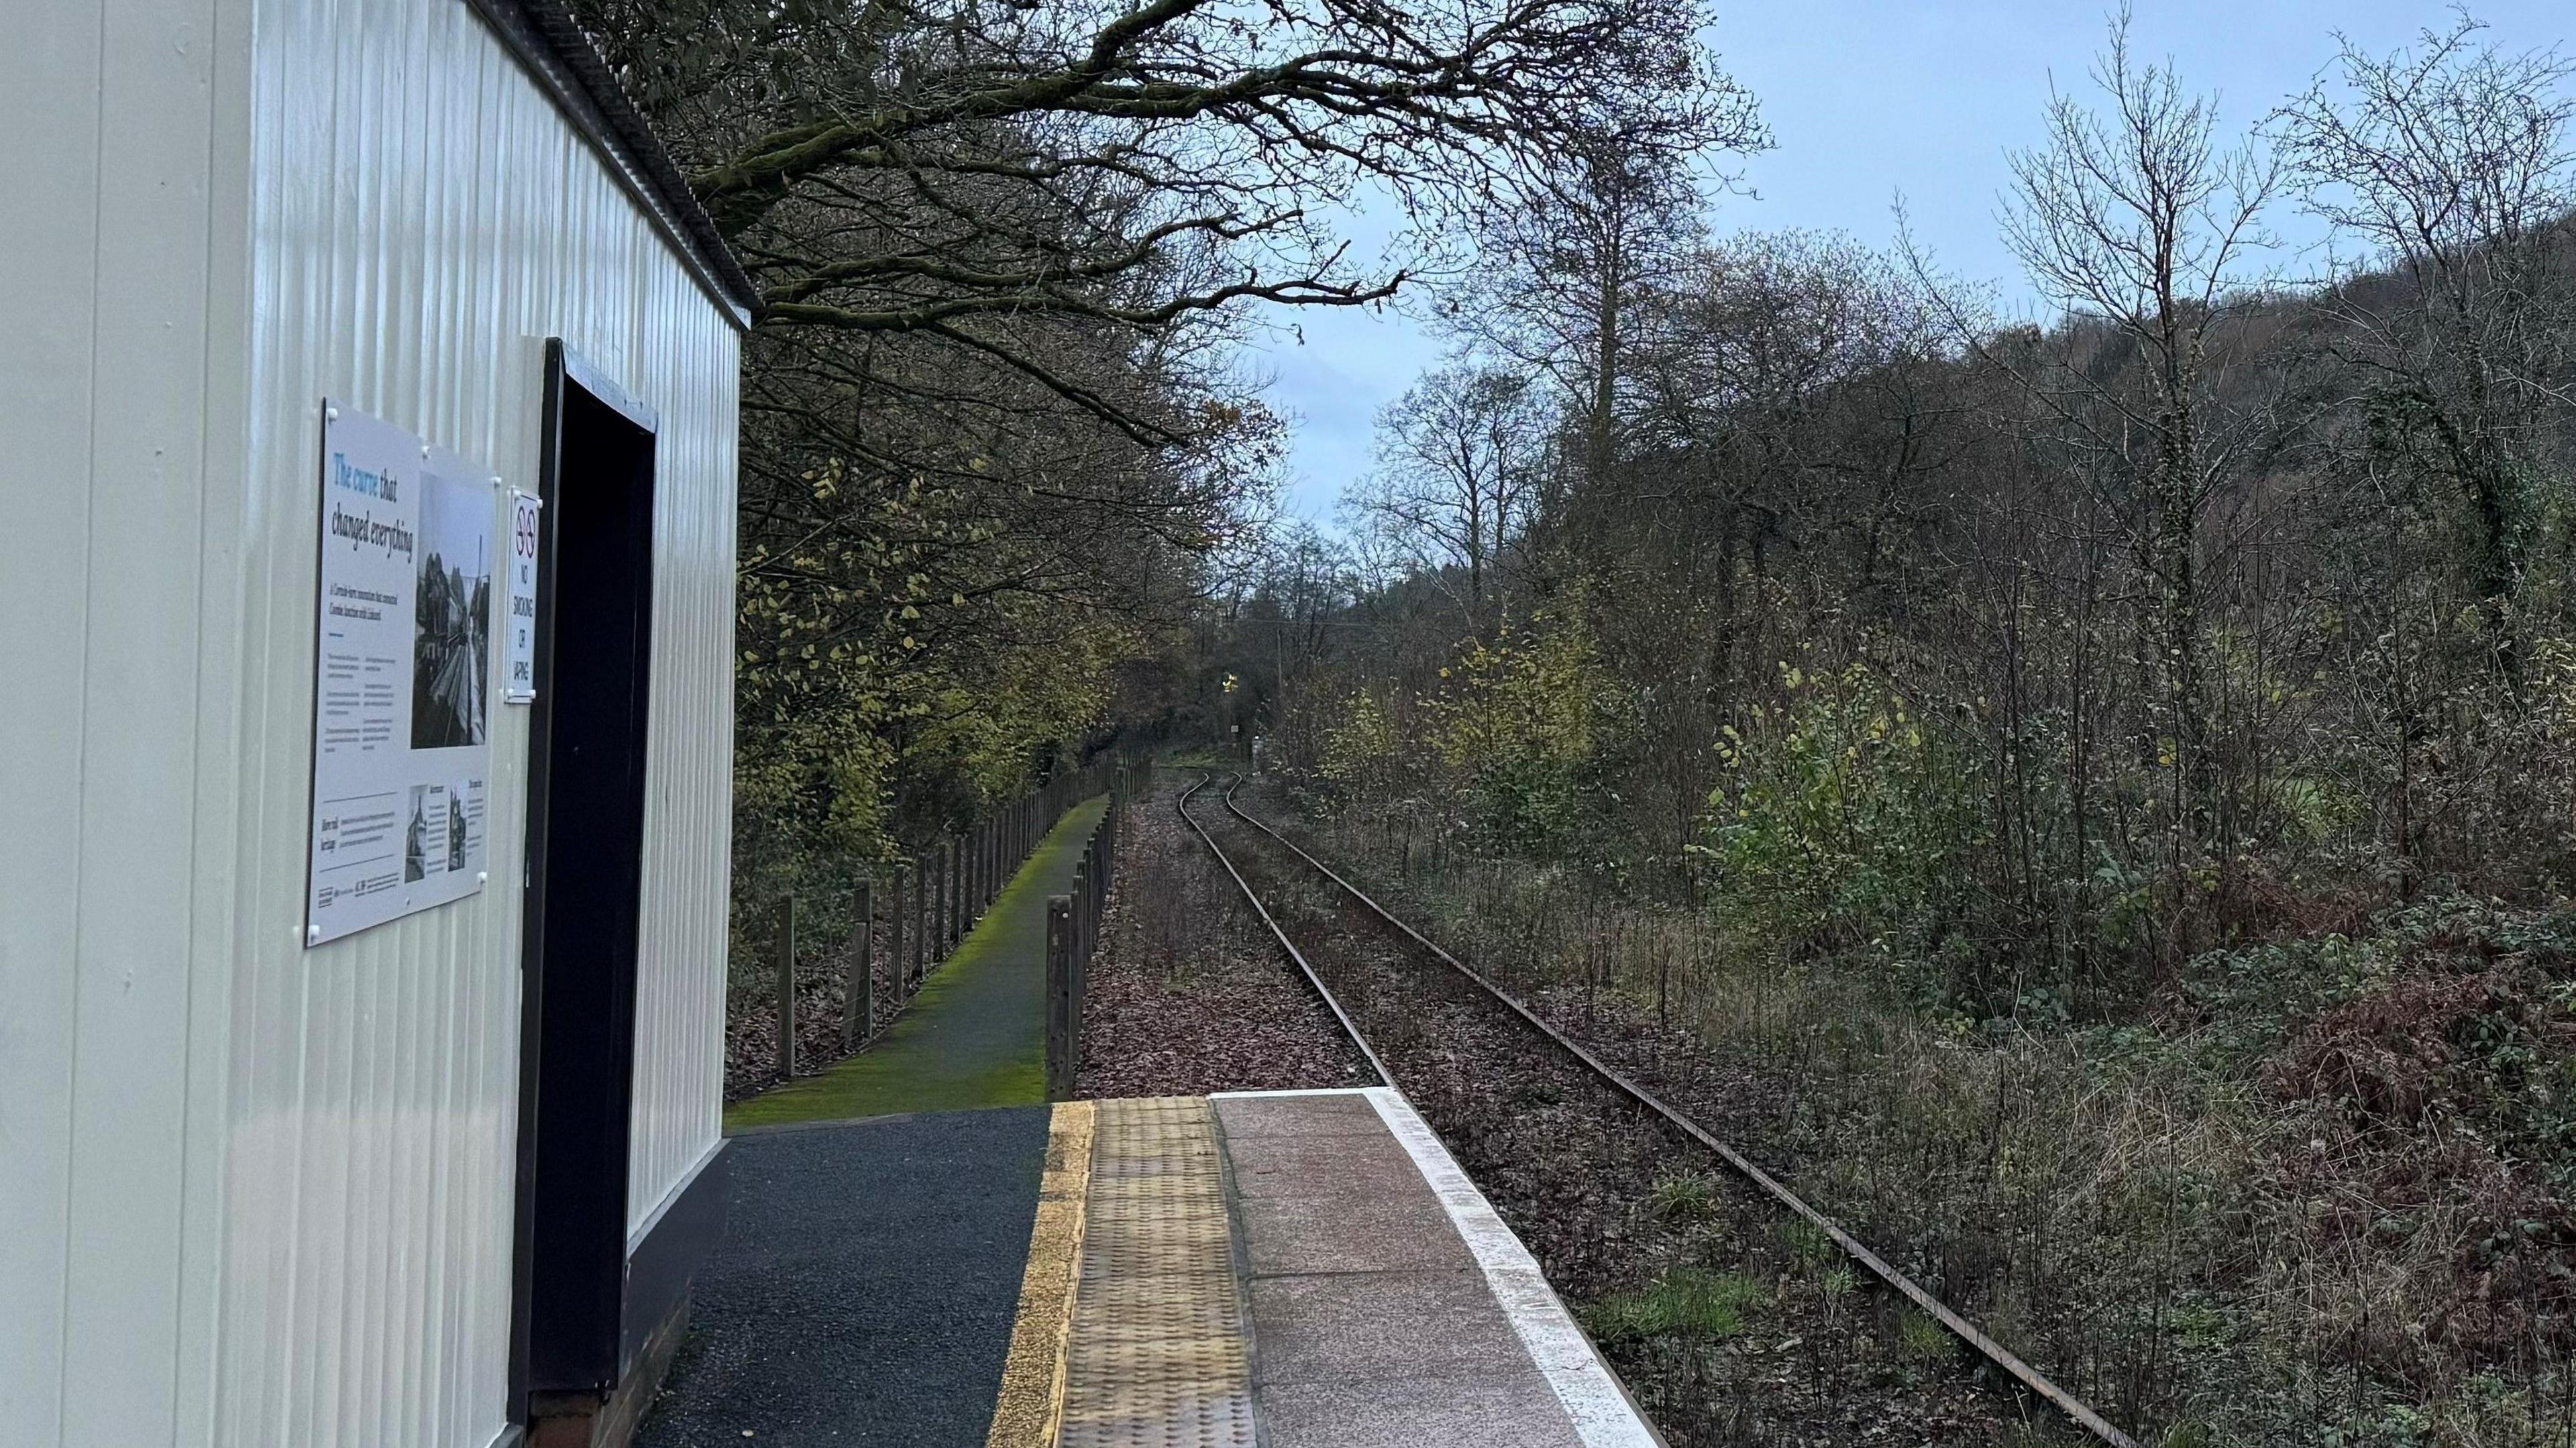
(1189, 994)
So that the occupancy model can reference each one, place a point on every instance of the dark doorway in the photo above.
(583, 890)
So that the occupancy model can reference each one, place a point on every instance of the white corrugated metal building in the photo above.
(270, 1176)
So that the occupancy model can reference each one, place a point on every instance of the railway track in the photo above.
(1428, 954)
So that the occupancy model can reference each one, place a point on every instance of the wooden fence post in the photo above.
(1060, 1025)
(925, 877)
(859, 993)
(787, 989)
(1090, 936)
(943, 929)
(919, 916)
(1081, 902)
(902, 981)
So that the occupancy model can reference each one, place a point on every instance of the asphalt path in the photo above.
(865, 1287)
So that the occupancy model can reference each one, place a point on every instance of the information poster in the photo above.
(519, 627)
(401, 713)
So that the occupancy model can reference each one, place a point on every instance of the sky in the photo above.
(1867, 100)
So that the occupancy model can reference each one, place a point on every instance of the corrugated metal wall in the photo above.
(261, 1195)
(109, 697)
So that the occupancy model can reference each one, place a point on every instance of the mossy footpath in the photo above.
(976, 1034)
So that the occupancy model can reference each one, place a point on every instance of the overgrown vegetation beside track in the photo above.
(2315, 1191)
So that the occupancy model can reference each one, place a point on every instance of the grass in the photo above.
(1808, 1243)
(1683, 1302)
(1919, 1339)
(1684, 1199)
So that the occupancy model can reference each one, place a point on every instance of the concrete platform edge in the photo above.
(1593, 1397)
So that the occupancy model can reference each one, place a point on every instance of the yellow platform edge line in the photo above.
(1030, 1410)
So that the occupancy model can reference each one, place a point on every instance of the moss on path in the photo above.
(976, 1034)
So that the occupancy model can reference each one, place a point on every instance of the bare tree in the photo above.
(1458, 472)
(2137, 218)
(1571, 260)
(2450, 162)
(952, 168)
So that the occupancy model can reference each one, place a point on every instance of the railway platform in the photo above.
(1303, 1269)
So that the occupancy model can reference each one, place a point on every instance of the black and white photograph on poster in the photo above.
(416, 836)
(451, 619)
(403, 645)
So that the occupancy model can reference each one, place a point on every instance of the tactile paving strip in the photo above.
(1157, 1356)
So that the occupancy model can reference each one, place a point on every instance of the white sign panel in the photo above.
(401, 722)
(519, 624)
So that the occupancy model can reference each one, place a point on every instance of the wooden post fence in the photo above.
(859, 992)
(925, 878)
(896, 965)
(942, 914)
(930, 904)
(1081, 936)
(787, 988)
(1061, 1023)
(1074, 920)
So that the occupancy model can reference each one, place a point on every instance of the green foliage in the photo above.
(862, 726)
(1519, 722)
(1919, 1339)
(1360, 750)
(2252, 995)
(1808, 1243)
(1841, 819)
(1685, 1198)
(1684, 1302)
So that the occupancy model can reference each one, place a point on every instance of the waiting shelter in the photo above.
(368, 392)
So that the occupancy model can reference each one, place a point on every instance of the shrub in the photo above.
(1519, 722)
(1843, 821)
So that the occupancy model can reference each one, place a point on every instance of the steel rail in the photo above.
(1331, 1002)
(1959, 1327)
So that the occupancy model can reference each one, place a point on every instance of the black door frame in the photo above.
(582, 895)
